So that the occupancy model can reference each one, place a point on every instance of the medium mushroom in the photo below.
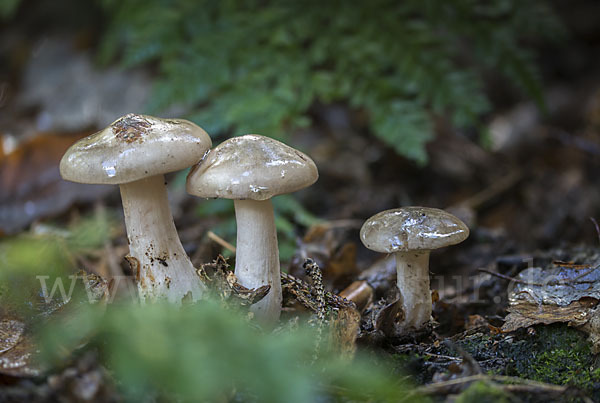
(135, 152)
(410, 233)
(251, 169)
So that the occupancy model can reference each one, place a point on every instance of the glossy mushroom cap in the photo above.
(134, 147)
(251, 167)
(412, 228)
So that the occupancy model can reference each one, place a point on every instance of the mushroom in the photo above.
(410, 233)
(251, 169)
(135, 152)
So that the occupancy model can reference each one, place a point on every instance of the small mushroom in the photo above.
(250, 170)
(410, 233)
(135, 152)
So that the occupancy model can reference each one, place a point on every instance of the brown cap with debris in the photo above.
(134, 147)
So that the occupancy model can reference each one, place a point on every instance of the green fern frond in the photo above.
(258, 66)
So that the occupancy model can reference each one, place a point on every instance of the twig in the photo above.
(561, 282)
(597, 227)
(505, 277)
(569, 265)
(214, 237)
(575, 141)
(496, 189)
(584, 274)
(446, 357)
(517, 384)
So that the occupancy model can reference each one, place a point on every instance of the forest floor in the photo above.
(528, 199)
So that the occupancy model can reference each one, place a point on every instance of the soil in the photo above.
(527, 201)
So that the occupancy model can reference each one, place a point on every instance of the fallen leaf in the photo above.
(19, 361)
(31, 186)
(475, 321)
(10, 333)
(381, 275)
(223, 284)
(525, 314)
(343, 263)
(19, 351)
(566, 293)
(336, 259)
(560, 285)
(390, 318)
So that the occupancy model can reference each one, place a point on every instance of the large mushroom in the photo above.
(135, 152)
(411, 233)
(251, 169)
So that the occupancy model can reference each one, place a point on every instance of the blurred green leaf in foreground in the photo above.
(206, 353)
(258, 66)
(8, 8)
(47, 253)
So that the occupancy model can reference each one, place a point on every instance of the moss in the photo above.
(557, 354)
(412, 364)
(483, 392)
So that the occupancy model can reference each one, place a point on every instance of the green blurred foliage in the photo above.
(22, 260)
(257, 66)
(206, 353)
(51, 252)
(483, 392)
(8, 8)
(91, 232)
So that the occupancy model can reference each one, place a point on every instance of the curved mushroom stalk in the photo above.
(164, 270)
(135, 151)
(413, 282)
(257, 255)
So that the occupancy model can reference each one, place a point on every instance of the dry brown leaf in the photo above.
(475, 321)
(525, 314)
(343, 263)
(222, 282)
(20, 361)
(324, 246)
(315, 233)
(564, 292)
(10, 333)
(31, 186)
(390, 318)
(18, 350)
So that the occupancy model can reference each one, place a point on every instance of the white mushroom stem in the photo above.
(413, 282)
(257, 255)
(164, 270)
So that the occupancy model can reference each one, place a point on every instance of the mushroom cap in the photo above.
(134, 147)
(412, 228)
(251, 167)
